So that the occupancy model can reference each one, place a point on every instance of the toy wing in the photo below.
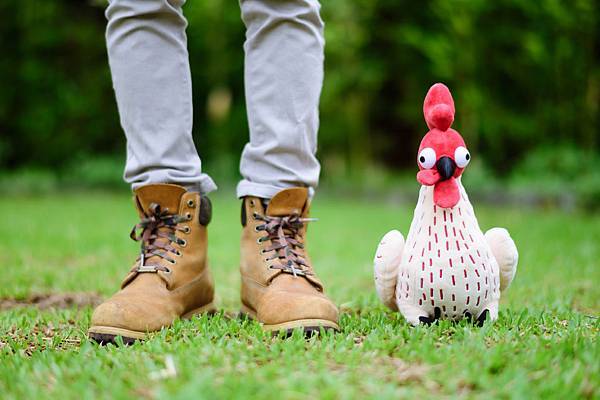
(386, 265)
(505, 252)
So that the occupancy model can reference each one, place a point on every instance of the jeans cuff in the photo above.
(262, 190)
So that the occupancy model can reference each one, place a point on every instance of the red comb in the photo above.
(438, 107)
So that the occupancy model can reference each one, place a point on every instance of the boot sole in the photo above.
(108, 334)
(310, 326)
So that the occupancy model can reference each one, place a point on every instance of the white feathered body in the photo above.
(446, 262)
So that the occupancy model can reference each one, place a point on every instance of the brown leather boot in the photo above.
(170, 279)
(279, 286)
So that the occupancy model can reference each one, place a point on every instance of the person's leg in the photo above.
(148, 57)
(284, 74)
(283, 77)
(170, 278)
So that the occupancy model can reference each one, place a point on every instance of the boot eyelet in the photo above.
(259, 241)
(172, 262)
(182, 242)
(190, 203)
(252, 203)
(167, 270)
(254, 215)
(186, 229)
(188, 216)
(262, 251)
(178, 253)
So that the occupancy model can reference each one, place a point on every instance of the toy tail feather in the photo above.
(386, 264)
(506, 254)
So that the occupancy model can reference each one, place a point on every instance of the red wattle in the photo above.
(428, 177)
(446, 193)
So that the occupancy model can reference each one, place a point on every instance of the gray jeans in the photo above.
(147, 49)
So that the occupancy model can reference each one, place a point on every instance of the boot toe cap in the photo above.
(278, 307)
(130, 315)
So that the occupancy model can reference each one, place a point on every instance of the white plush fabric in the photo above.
(446, 262)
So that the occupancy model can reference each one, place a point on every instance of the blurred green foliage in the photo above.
(524, 75)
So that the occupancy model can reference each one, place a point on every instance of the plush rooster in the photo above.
(447, 268)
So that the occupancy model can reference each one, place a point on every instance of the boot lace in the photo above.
(156, 232)
(283, 233)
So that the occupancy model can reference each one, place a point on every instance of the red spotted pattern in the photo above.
(453, 270)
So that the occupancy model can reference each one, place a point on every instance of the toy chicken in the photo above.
(446, 268)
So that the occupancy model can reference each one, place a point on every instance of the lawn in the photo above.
(544, 344)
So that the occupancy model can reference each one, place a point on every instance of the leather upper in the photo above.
(274, 295)
(148, 301)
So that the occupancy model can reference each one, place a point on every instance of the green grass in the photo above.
(543, 345)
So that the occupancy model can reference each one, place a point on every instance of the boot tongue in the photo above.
(287, 202)
(166, 195)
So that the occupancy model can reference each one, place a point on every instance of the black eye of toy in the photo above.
(461, 157)
(427, 158)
